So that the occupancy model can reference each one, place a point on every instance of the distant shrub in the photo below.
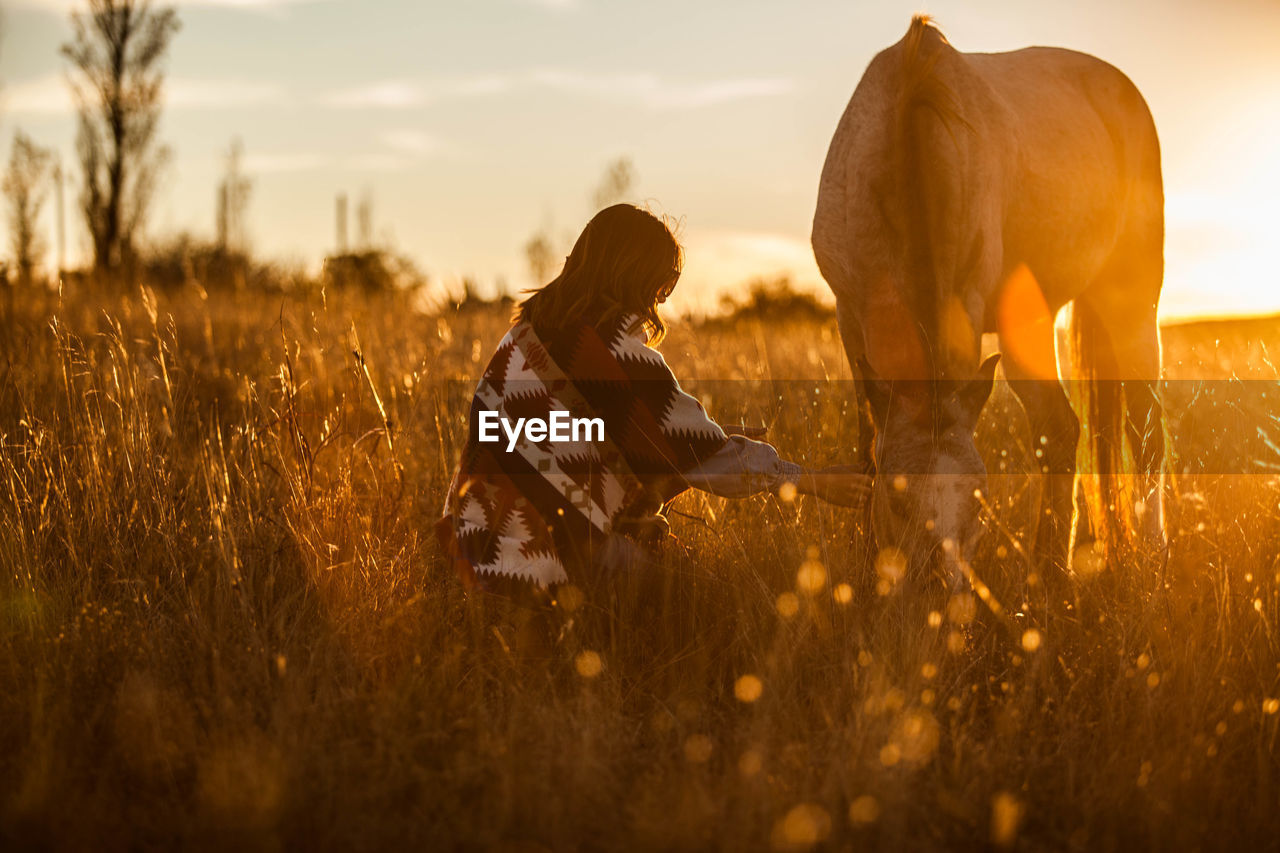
(185, 257)
(470, 301)
(774, 299)
(371, 270)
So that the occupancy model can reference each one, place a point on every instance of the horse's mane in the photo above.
(923, 96)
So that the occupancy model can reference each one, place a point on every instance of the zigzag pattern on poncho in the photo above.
(528, 512)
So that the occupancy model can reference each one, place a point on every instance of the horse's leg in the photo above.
(1122, 301)
(1055, 431)
(851, 336)
(1137, 349)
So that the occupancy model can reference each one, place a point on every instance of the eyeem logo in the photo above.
(558, 428)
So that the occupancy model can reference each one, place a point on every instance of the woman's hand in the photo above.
(843, 485)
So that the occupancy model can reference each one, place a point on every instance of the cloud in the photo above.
(375, 161)
(483, 84)
(647, 88)
(722, 262)
(387, 94)
(658, 94)
(41, 96)
(285, 162)
(722, 91)
(741, 255)
(633, 85)
(265, 163)
(415, 142)
(63, 7)
(403, 94)
(188, 93)
(242, 4)
(51, 95)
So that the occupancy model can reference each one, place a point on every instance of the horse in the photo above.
(972, 193)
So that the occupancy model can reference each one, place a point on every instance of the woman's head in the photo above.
(626, 261)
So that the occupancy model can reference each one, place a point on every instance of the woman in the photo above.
(526, 506)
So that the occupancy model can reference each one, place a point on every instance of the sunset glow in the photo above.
(467, 137)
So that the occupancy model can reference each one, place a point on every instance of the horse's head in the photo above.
(928, 469)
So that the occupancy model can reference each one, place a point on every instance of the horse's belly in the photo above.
(1069, 194)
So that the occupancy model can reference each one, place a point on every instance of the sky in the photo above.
(472, 124)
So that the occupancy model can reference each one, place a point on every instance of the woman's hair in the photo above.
(620, 265)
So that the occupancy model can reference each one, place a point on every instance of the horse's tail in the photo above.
(928, 141)
(1100, 404)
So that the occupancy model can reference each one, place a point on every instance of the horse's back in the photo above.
(1062, 150)
(1086, 177)
(1062, 103)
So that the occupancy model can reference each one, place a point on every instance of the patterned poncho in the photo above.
(529, 511)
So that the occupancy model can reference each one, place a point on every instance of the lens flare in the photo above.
(748, 688)
(1026, 324)
(811, 578)
(1006, 816)
(803, 827)
(697, 749)
(864, 810)
(588, 664)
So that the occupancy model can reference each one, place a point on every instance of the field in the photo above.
(224, 620)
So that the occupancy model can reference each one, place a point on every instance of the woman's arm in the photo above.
(844, 485)
(744, 467)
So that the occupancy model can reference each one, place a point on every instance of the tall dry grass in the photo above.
(223, 619)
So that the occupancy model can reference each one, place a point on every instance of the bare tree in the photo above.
(233, 203)
(364, 222)
(26, 185)
(542, 249)
(541, 257)
(116, 58)
(615, 184)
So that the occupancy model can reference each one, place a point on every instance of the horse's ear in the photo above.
(973, 396)
(875, 391)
